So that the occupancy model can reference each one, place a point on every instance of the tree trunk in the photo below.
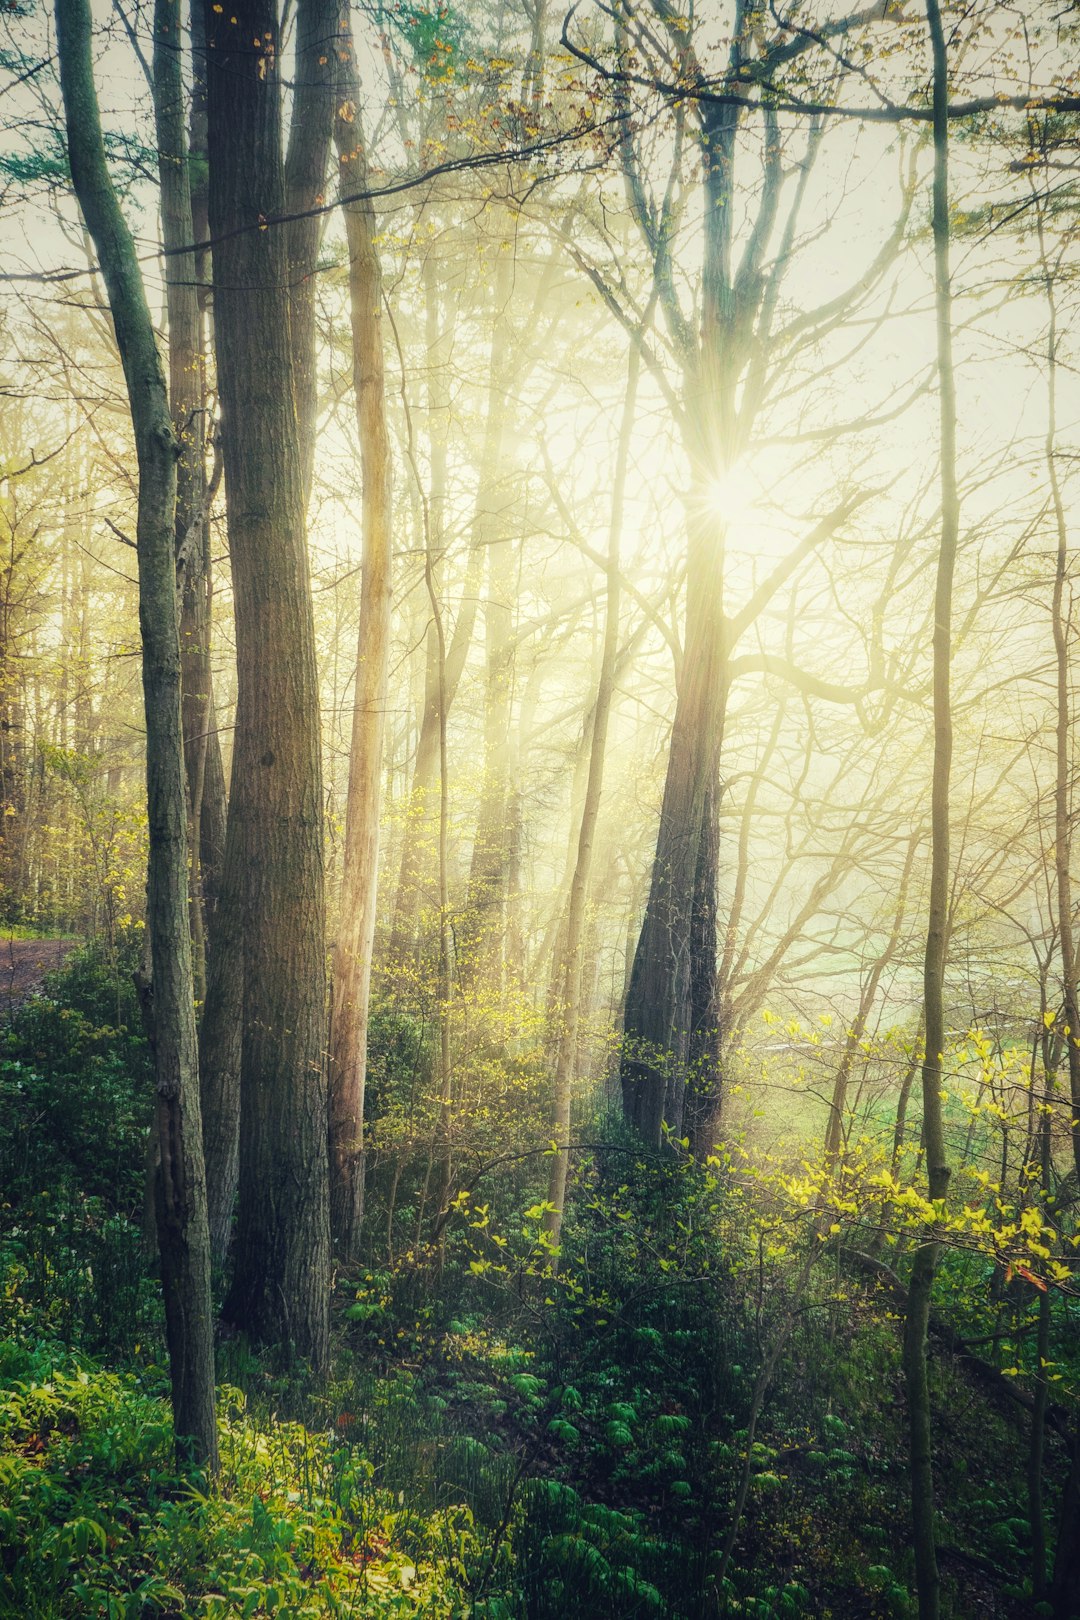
(659, 1016)
(187, 399)
(220, 1040)
(181, 1189)
(319, 44)
(924, 1265)
(356, 930)
(671, 1006)
(1060, 615)
(280, 1286)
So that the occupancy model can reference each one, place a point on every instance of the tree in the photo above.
(280, 1283)
(924, 1265)
(671, 1022)
(183, 1235)
(356, 928)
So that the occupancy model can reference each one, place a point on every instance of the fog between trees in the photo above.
(583, 422)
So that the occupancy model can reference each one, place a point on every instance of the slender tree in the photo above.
(183, 1236)
(356, 928)
(924, 1265)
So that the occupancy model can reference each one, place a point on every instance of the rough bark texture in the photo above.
(924, 1266)
(356, 928)
(671, 1017)
(220, 1031)
(659, 1016)
(280, 1287)
(181, 1191)
(673, 1010)
(187, 399)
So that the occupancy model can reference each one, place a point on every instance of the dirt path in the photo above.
(24, 964)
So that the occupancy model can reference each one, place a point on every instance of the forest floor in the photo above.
(24, 964)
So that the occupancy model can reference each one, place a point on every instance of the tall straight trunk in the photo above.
(187, 399)
(1065, 1585)
(220, 1041)
(1041, 1398)
(657, 1023)
(567, 1008)
(356, 930)
(280, 1285)
(223, 993)
(924, 1265)
(181, 1191)
(1060, 616)
(319, 45)
(202, 741)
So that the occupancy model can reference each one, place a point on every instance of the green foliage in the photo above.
(496, 1440)
(97, 1523)
(75, 1101)
(435, 33)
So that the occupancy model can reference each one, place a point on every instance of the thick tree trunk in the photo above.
(181, 1189)
(280, 1286)
(356, 929)
(924, 1266)
(659, 1016)
(671, 1011)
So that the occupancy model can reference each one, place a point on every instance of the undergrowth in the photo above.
(698, 1414)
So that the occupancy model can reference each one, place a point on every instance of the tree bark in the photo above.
(319, 44)
(924, 1265)
(220, 1040)
(672, 1004)
(1060, 615)
(187, 399)
(181, 1189)
(356, 929)
(280, 1286)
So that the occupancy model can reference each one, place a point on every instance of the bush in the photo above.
(76, 1094)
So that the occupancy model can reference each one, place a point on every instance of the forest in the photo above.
(539, 776)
